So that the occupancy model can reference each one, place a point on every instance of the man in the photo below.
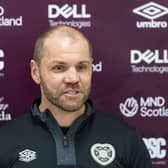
(62, 128)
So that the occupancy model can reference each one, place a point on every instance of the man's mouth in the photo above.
(72, 93)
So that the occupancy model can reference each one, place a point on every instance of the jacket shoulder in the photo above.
(16, 124)
(111, 123)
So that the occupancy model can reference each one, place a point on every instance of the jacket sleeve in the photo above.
(138, 154)
(7, 154)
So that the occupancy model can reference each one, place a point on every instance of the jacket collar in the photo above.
(44, 116)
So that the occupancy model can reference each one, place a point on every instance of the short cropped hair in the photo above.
(70, 31)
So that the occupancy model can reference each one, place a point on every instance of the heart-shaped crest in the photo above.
(103, 154)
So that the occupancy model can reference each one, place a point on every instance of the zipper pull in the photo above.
(65, 140)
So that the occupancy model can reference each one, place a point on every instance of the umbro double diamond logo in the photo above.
(27, 155)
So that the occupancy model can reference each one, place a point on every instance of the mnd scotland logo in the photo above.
(4, 21)
(4, 116)
(151, 11)
(144, 107)
(155, 61)
(73, 15)
(130, 107)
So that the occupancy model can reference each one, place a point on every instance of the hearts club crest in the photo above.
(103, 154)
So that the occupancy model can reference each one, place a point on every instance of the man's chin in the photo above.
(72, 105)
(69, 105)
(72, 108)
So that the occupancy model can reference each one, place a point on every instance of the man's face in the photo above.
(65, 74)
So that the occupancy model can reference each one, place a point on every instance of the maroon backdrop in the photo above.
(130, 59)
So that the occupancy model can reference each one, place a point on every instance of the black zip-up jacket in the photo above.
(35, 140)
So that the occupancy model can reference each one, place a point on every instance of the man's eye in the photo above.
(83, 67)
(58, 68)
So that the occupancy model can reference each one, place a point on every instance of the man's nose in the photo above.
(71, 76)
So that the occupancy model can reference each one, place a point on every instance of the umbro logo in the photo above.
(27, 155)
(151, 11)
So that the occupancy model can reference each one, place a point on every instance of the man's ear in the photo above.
(35, 71)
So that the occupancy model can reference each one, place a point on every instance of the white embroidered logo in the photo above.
(27, 156)
(103, 154)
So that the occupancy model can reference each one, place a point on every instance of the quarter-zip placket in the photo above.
(64, 144)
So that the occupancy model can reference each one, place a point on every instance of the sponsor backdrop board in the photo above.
(130, 59)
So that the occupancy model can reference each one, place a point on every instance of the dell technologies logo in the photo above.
(149, 56)
(151, 11)
(78, 13)
(67, 11)
(151, 61)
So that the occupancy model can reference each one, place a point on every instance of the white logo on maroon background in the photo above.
(130, 107)
(156, 147)
(67, 11)
(4, 21)
(151, 11)
(77, 12)
(4, 115)
(145, 107)
(149, 61)
(2, 62)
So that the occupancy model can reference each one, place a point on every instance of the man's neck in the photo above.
(64, 118)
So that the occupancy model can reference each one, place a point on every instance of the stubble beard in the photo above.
(55, 99)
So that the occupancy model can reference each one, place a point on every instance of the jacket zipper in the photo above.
(65, 141)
